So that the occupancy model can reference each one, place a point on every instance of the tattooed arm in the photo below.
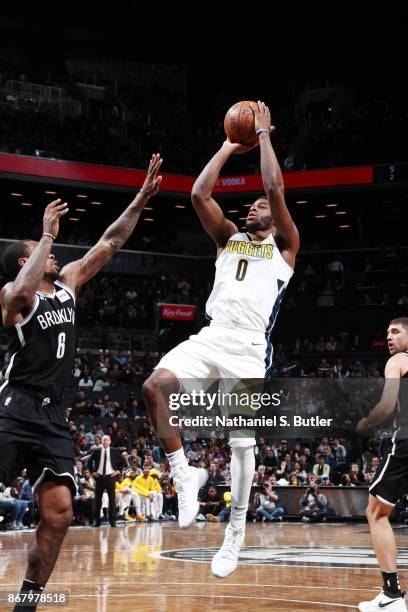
(76, 273)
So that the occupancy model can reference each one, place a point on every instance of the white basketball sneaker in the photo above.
(382, 602)
(188, 481)
(225, 560)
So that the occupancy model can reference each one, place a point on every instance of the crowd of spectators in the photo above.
(109, 371)
(375, 279)
(129, 301)
(310, 464)
(107, 401)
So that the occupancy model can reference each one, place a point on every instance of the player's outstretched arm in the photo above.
(211, 216)
(272, 178)
(388, 401)
(79, 272)
(19, 295)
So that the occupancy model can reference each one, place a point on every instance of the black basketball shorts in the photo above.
(390, 482)
(34, 434)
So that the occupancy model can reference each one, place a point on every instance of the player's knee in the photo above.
(376, 511)
(372, 513)
(58, 518)
(150, 389)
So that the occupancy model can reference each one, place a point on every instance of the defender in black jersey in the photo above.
(391, 479)
(38, 311)
(41, 349)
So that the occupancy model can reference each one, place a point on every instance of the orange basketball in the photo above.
(239, 123)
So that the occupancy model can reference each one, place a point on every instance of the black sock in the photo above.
(27, 587)
(30, 585)
(391, 584)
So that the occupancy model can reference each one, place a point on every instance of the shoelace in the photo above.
(232, 544)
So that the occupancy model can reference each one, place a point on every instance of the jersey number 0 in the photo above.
(241, 269)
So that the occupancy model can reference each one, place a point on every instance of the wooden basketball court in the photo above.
(158, 567)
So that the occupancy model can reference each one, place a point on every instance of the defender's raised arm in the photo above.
(79, 272)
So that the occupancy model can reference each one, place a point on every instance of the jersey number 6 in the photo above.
(61, 345)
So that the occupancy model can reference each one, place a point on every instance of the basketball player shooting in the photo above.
(390, 482)
(252, 271)
(38, 310)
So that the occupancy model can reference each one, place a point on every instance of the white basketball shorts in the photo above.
(219, 351)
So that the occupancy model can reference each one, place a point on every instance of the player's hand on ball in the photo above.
(152, 181)
(52, 215)
(262, 117)
(238, 149)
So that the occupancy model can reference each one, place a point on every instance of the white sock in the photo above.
(242, 475)
(177, 458)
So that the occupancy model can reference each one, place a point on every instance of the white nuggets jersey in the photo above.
(249, 284)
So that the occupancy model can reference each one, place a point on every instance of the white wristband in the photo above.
(49, 234)
(260, 130)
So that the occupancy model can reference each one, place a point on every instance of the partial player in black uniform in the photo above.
(391, 479)
(38, 311)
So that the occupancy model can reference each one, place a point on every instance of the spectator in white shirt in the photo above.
(86, 382)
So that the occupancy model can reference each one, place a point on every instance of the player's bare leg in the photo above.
(385, 547)
(187, 480)
(56, 514)
(156, 391)
(382, 535)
